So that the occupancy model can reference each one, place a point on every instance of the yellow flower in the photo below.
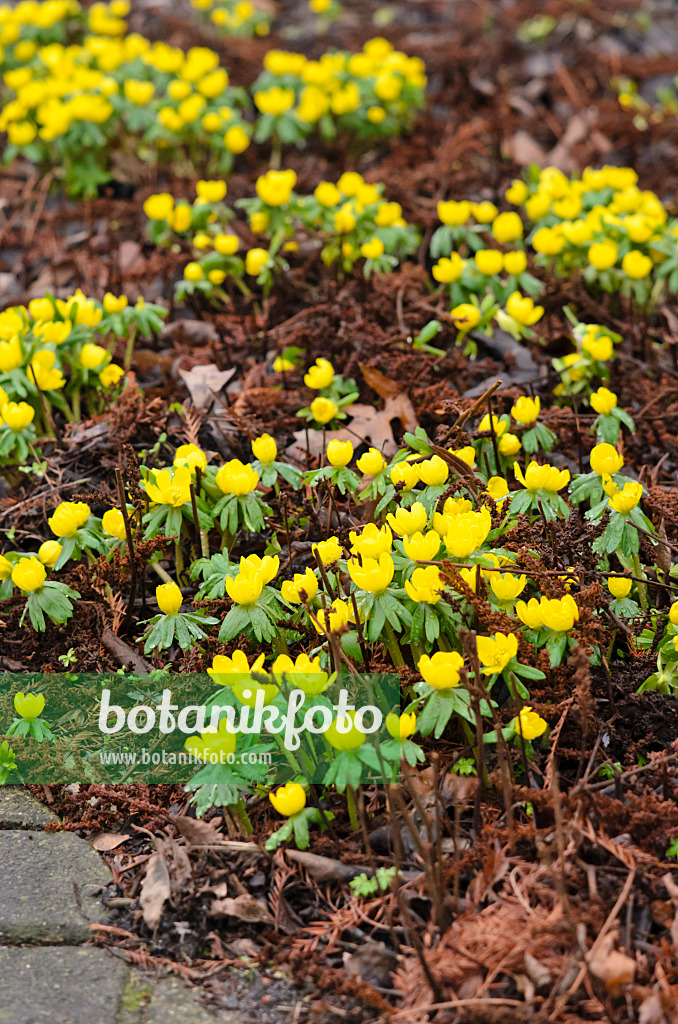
(372, 576)
(29, 574)
(673, 614)
(619, 587)
(113, 304)
(275, 187)
(448, 268)
(225, 670)
(259, 222)
(138, 93)
(48, 553)
(406, 521)
(280, 364)
(29, 705)
(489, 262)
(635, 265)
(517, 193)
(371, 463)
(303, 586)
(92, 356)
(505, 586)
(288, 799)
(327, 194)
(68, 517)
(405, 474)
(339, 453)
(110, 375)
(42, 369)
(350, 740)
(372, 249)
(217, 745)
(53, 332)
(542, 478)
(168, 597)
(193, 272)
(159, 207)
(372, 542)
(11, 355)
(484, 212)
(425, 586)
(190, 455)
(497, 488)
(17, 415)
(603, 401)
(509, 444)
(507, 227)
(227, 245)
(548, 241)
(522, 308)
(320, 375)
(255, 261)
(170, 488)
(530, 613)
(274, 101)
(529, 724)
(515, 263)
(603, 255)
(598, 346)
(486, 424)
(441, 670)
(468, 532)
(560, 614)
(453, 214)
(236, 139)
(180, 218)
(420, 547)
(245, 588)
(467, 454)
(329, 550)
(5, 568)
(433, 471)
(238, 478)
(113, 523)
(465, 317)
(496, 652)
(525, 410)
(264, 449)
(400, 727)
(336, 618)
(605, 459)
(344, 220)
(210, 191)
(626, 499)
(323, 409)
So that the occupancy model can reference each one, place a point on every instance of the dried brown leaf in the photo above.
(155, 890)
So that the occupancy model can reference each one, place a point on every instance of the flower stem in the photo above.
(352, 813)
(393, 645)
(164, 576)
(642, 589)
(129, 348)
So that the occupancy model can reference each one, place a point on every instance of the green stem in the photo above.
(352, 813)
(417, 652)
(164, 576)
(443, 643)
(178, 557)
(243, 816)
(393, 645)
(642, 589)
(129, 348)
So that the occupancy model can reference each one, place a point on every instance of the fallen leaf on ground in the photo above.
(155, 890)
(244, 907)
(204, 382)
(109, 841)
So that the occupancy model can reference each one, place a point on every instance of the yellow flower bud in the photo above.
(264, 449)
(441, 670)
(168, 597)
(29, 574)
(288, 799)
(49, 552)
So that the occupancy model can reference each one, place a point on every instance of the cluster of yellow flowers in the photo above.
(49, 353)
(236, 17)
(375, 92)
(349, 220)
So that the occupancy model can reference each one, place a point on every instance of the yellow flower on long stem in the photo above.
(168, 488)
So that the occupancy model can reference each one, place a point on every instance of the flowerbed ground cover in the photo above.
(348, 400)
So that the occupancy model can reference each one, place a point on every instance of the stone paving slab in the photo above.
(60, 985)
(173, 1002)
(18, 809)
(50, 888)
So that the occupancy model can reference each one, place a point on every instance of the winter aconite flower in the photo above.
(465, 317)
(320, 375)
(636, 265)
(323, 409)
(29, 705)
(288, 799)
(425, 585)
(17, 415)
(264, 449)
(627, 498)
(406, 521)
(400, 727)
(619, 587)
(441, 670)
(303, 587)
(168, 597)
(339, 453)
(542, 478)
(489, 261)
(192, 456)
(529, 724)
(505, 586)
(329, 550)
(372, 542)
(345, 739)
(496, 652)
(371, 463)
(605, 459)
(237, 478)
(525, 410)
(68, 517)
(522, 309)
(448, 268)
(167, 488)
(603, 401)
(48, 553)
(225, 669)
(113, 523)
(420, 547)
(372, 575)
(29, 574)
(507, 227)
